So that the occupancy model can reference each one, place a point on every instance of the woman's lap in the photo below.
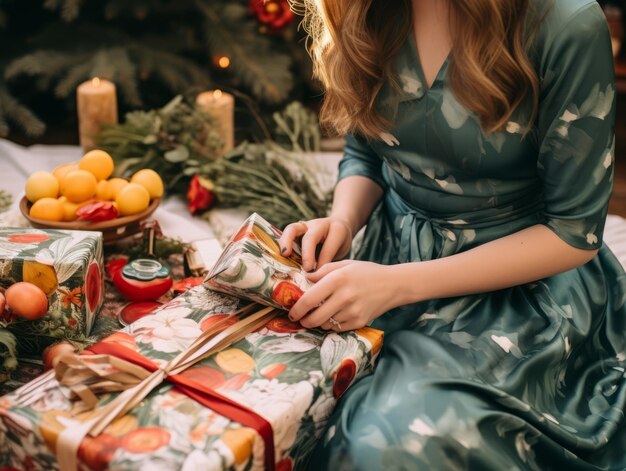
(406, 416)
(527, 378)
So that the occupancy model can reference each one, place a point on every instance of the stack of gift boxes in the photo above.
(258, 403)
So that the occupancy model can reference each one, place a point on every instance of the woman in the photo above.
(480, 155)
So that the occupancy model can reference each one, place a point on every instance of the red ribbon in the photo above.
(202, 394)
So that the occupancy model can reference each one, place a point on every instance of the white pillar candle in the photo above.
(97, 106)
(221, 106)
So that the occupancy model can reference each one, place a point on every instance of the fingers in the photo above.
(313, 236)
(317, 275)
(334, 241)
(311, 299)
(319, 316)
(290, 234)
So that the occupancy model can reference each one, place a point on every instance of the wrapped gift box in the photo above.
(67, 266)
(290, 376)
(252, 266)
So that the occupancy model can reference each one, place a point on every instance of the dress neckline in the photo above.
(420, 70)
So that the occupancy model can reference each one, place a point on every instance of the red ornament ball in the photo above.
(275, 15)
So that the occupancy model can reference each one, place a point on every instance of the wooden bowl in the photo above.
(112, 230)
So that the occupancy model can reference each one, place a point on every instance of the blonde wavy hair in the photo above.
(353, 43)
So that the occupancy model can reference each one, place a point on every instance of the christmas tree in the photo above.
(152, 50)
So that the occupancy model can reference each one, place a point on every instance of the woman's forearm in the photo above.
(525, 256)
(354, 200)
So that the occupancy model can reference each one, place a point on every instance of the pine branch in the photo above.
(43, 63)
(140, 9)
(74, 76)
(255, 63)
(174, 70)
(12, 110)
(117, 64)
(70, 9)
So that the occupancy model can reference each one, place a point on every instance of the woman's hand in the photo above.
(334, 233)
(347, 295)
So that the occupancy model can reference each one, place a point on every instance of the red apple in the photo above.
(52, 353)
(27, 300)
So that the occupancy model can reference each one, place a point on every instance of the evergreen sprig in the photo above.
(272, 178)
(299, 127)
(267, 179)
(12, 111)
(69, 8)
(122, 65)
(165, 140)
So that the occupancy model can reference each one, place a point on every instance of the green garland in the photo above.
(271, 178)
(165, 140)
(267, 179)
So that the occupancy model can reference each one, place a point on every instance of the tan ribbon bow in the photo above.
(90, 375)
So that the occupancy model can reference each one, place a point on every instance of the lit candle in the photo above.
(221, 106)
(97, 106)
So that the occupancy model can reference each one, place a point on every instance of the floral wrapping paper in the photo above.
(290, 376)
(252, 266)
(68, 267)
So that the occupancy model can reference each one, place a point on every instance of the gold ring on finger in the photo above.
(334, 323)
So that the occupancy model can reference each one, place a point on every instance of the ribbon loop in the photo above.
(115, 368)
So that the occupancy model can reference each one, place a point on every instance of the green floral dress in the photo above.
(531, 377)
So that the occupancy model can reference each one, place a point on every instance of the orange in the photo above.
(69, 209)
(150, 180)
(97, 162)
(41, 185)
(115, 185)
(49, 209)
(78, 186)
(103, 191)
(132, 199)
(62, 170)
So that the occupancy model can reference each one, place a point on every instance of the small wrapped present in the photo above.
(260, 402)
(67, 266)
(252, 266)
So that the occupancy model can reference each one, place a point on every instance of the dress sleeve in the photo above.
(576, 129)
(360, 159)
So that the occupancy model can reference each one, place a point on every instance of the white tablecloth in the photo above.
(17, 162)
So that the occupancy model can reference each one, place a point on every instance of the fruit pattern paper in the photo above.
(289, 375)
(252, 266)
(67, 266)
